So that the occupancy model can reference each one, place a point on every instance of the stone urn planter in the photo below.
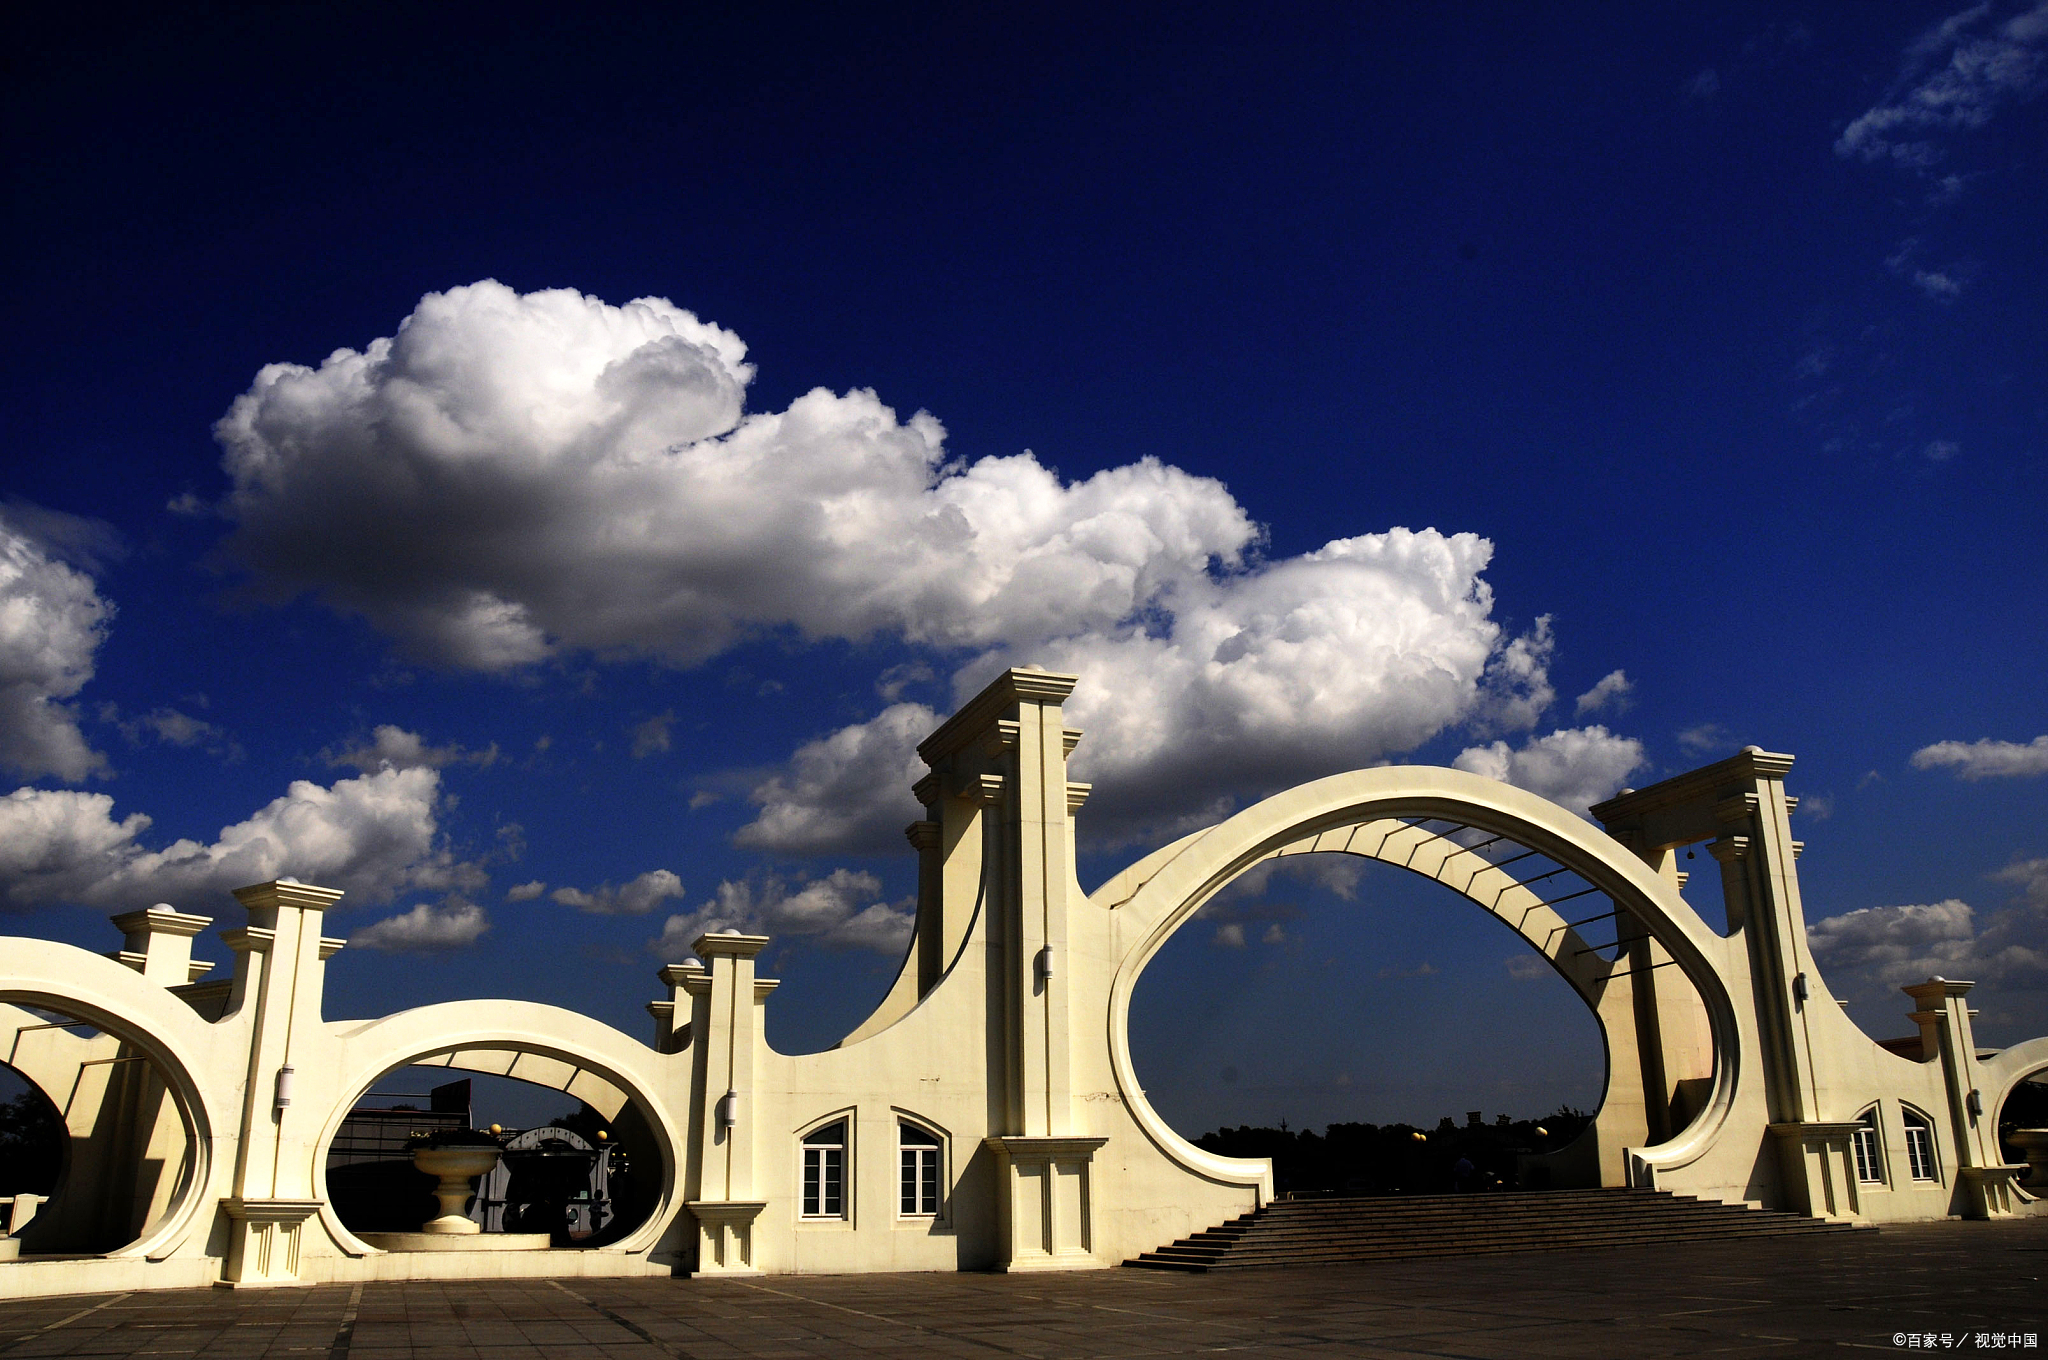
(2033, 1145)
(453, 1162)
(455, 1167)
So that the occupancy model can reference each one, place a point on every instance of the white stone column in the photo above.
(1985, 1176)
(1004, 805)
(280, 971)
(725, 1033)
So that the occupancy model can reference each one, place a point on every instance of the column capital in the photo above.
(730, 945)
(1730, 849)
(279, 893)
(980, 715)
(161, 919)
(1932, 993)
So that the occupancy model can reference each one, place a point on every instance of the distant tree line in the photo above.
(1402, 1159)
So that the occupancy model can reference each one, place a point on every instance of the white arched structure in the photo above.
(132, 1014)
(1733, 1073)
(1432, 822)
(579, 1056)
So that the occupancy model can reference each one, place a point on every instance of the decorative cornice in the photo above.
(1936, 989)
(923, 835)
(161, 919)
(983, 789)
(1816, 1128)
(1077, 794)
(1013, 687)
(330, 946)
(249, 939)
(1730, 849)
(926, 790)
(279, 893)
(1749, 763)
(677, 974)
(1021, 1148)
(271, 1210)
(729, 945)
(1737, 807)
(763, 986)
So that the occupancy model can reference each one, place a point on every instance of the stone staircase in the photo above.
(1329, 1231)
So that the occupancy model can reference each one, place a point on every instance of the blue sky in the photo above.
(541, 474)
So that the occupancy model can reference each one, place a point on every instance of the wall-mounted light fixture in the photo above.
(1799, 989)
(1974, 1102)
(1043, 964)
(284, 1087)
(728, 1109)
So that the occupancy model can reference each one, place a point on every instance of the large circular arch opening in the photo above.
(1680, 1035)
(579, 1162)
(1366, 1029)
(94, 1131)
(2022, 1125)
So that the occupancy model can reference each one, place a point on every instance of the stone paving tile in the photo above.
(1755, 1298)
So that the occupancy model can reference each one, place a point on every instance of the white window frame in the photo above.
(1868, 1149)
(1923, 1153)
(815, 1159)
(926, 1163)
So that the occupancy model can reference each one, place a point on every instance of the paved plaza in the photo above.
(1796, 1296)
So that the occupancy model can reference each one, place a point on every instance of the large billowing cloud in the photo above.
(52, 621)
(512, 477)
(1870, 953)
(1574, 767)
(849, 790)
(373, 836)
(1328, 661)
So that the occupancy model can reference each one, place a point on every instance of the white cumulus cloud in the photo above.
(636, 898)
(513, 475)
(390, 747)
(1878, 949)
(1246, 681)
(52, 621)
(1986, 759)
(373, 836)
(849, 790)
(837, 911)
(1612, 691)
(426, 929)
(1955, 76)
(1574, 767)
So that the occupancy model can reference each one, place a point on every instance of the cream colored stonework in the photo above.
(201, 1112)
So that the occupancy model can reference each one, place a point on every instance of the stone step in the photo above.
(1329, 1231)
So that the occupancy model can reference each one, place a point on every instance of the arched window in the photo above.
(920, 1177)
(1869, 1161)
(1919, 1145)
(825, 1171)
